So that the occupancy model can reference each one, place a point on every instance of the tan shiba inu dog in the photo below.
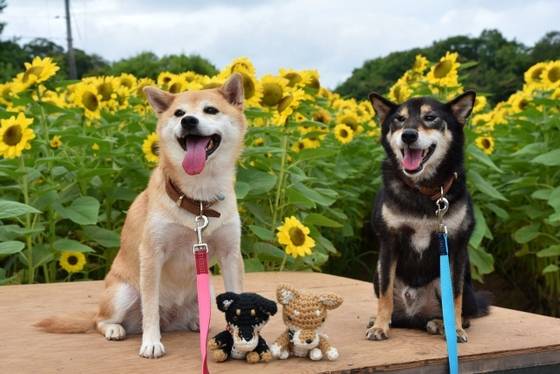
(152, 283)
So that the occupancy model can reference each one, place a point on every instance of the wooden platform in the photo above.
(505, 339)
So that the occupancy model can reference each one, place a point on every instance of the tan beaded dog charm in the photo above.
(303, 315)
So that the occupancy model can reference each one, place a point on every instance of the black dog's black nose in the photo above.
(309, 341)
(409, 136)
(189, 122)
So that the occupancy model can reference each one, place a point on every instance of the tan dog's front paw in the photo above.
(114, 331)
(151, 349)
(462, 336)
(266, 356)
(252, 357)
(371, 322)
(377, 333)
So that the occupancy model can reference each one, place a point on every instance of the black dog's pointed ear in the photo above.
(224, 300)
(462, 105)
(381, 105)
(267, 306)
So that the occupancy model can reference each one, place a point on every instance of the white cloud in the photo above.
(334, 37)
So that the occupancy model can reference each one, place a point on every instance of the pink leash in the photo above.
(200, 251)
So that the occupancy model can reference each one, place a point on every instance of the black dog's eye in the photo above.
(179, 113)
(429, 118)
(400, 118)
(211, 110)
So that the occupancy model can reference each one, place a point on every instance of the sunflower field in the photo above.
(74, 155)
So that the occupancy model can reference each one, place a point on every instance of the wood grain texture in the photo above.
(505, 339)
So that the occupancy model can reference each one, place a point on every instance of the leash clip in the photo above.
(201, 222)
(442, 207)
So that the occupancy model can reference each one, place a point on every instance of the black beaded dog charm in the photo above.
(246, 314)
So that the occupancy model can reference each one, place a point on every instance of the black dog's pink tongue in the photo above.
(412, 159)
(195, 156)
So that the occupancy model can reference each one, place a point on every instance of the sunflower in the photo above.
(258, 142)
(95, 147)
(240, 64)
(519, 101)
(150, 148)
(15, 135)
(311, 79)
(287, 105)
(551, 76)
(420, 64)
(87, 97)
(176, 84)
(323, 116)
(298, 117)
(144, 82)
(294, 77)
(295, 237)
(343, 133)
(533, 76)
(55, 142)
(485, 143)
(211, 82)
(164, 78)
(444, 72)
(479, 104)
(399, 92)
(349, 119)
(39, 70)
(72, 262)
(128, 81)
(273, 90)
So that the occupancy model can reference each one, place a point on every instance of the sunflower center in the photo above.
(523, 104)
(284, 103)
(442, 69)
(314, 83)
(272, 94)
(126, 82)
(297, 236)
(13, 135)
(155, 148)
(176, 87)
(248, 86)
(293, 78)
(554, 74)
(486, 143)
(72, 260)
(105, 90)
(90, 101)
(536, 76)
(35, 70)
(344, 133)
(350, 123)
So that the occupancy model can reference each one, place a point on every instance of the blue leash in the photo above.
(447, 302)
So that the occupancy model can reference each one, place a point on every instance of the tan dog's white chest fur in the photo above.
(424, 227)
(151, 286)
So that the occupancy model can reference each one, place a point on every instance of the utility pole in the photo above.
(71, 58)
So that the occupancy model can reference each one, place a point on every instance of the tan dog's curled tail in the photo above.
(68, 324)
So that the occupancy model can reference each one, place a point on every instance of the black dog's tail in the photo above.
(483, 301)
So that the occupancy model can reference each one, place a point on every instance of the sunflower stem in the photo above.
(283, 264)
(28, 239)
(280, 184)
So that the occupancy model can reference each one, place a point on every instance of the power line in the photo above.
(71, 58)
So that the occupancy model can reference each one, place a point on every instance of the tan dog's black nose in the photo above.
(189, 122)
(409, 136)
(309, 341)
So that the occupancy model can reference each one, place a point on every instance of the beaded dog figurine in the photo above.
(303, 315)
(246, 314)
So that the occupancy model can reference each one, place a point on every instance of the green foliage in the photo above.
(499, 69)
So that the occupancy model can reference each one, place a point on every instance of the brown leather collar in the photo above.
(433, 193)
(190, 205)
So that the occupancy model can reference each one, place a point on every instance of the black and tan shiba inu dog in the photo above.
(423, 139)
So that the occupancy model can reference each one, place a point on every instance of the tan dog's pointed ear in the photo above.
(158, 99)
(233, 90)
(331, 300)
(285, 294)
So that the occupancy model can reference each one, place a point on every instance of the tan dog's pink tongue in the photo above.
(195, 156)
(412, 159)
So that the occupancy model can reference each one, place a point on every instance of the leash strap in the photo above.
(448, 306)
(447, 303)
(200, 251)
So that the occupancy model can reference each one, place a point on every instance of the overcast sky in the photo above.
(331, 36)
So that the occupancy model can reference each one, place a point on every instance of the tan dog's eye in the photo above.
(253, 313)
(179, 113)
(238, 312)
(211, 110)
